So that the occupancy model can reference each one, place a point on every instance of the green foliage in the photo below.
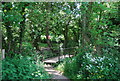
(69, 67)
(60, 67)
(20, 67)
(88, 66)
(28, 49)
(43, 45)
(99, 67)
(88, 25)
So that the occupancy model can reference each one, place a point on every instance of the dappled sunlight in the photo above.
(60, 40)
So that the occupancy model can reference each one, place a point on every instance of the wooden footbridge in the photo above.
(68, 52)
(56, 59)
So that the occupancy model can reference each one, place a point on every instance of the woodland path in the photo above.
(55, 74)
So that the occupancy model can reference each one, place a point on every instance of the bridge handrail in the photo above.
(64, 48)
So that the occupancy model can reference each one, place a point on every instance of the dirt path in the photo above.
(55, 74)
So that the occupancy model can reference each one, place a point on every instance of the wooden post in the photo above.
(59, 55)
(69, 53)
(0, 64)
(3, 53)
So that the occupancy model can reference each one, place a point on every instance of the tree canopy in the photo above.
(92, 27)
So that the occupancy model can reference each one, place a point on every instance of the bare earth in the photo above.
(55, 74)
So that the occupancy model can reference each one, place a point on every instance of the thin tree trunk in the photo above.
(66, 34)
(35, 42)
(119, 11)
(22, 27)
(8, 29)
(48, 5)
(85, 41)
(99, 47)
(9, 37)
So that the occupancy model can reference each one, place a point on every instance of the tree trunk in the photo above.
(66, 34)
(22, 27)
(48, 40)
(8, 29)
(86, 40)
(48, 5)
(9, 37)
(35, 42)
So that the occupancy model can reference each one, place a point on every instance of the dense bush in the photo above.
(21, 67)
(99, 67)
(88, 66)
(69, 67)
(28, 49)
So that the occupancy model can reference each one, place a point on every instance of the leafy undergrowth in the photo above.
(87, 66)
(19, 68)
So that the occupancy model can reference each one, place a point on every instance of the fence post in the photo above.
(59, 55)
(0, 64)
(3, 53)
(69, 53)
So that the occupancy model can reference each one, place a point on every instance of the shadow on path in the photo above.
(55, 74)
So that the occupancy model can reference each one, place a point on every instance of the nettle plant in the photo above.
(99, 67)
(20, 67)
